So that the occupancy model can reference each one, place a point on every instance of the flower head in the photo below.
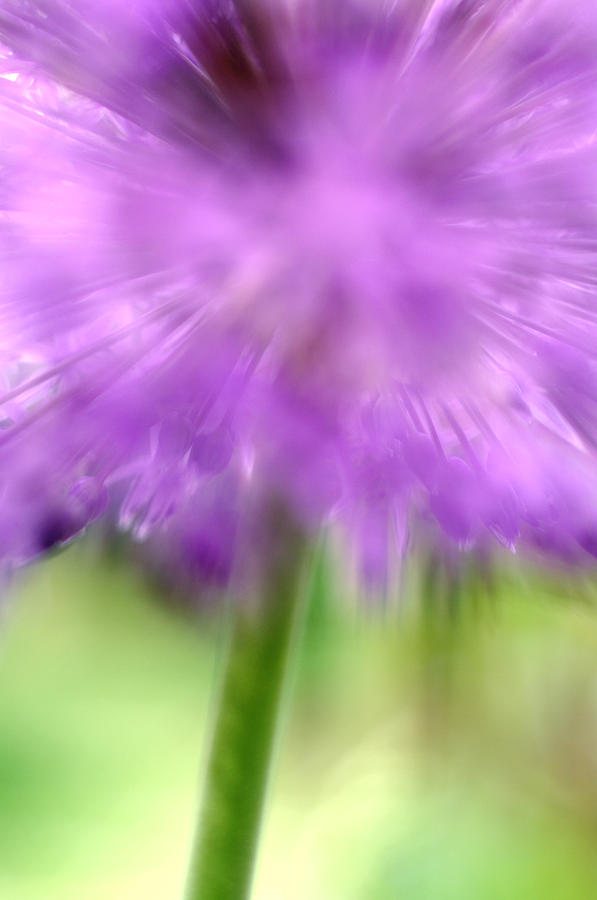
(342, 254)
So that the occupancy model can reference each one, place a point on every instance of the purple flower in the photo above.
(341, 254)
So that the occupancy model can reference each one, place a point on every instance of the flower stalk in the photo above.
(262, 647)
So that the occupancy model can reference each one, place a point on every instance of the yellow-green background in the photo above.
(451, 758)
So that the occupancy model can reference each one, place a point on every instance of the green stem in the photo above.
(262, 647)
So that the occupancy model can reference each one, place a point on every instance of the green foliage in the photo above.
(429, 756)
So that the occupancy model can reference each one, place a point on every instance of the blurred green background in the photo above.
(440, 754)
